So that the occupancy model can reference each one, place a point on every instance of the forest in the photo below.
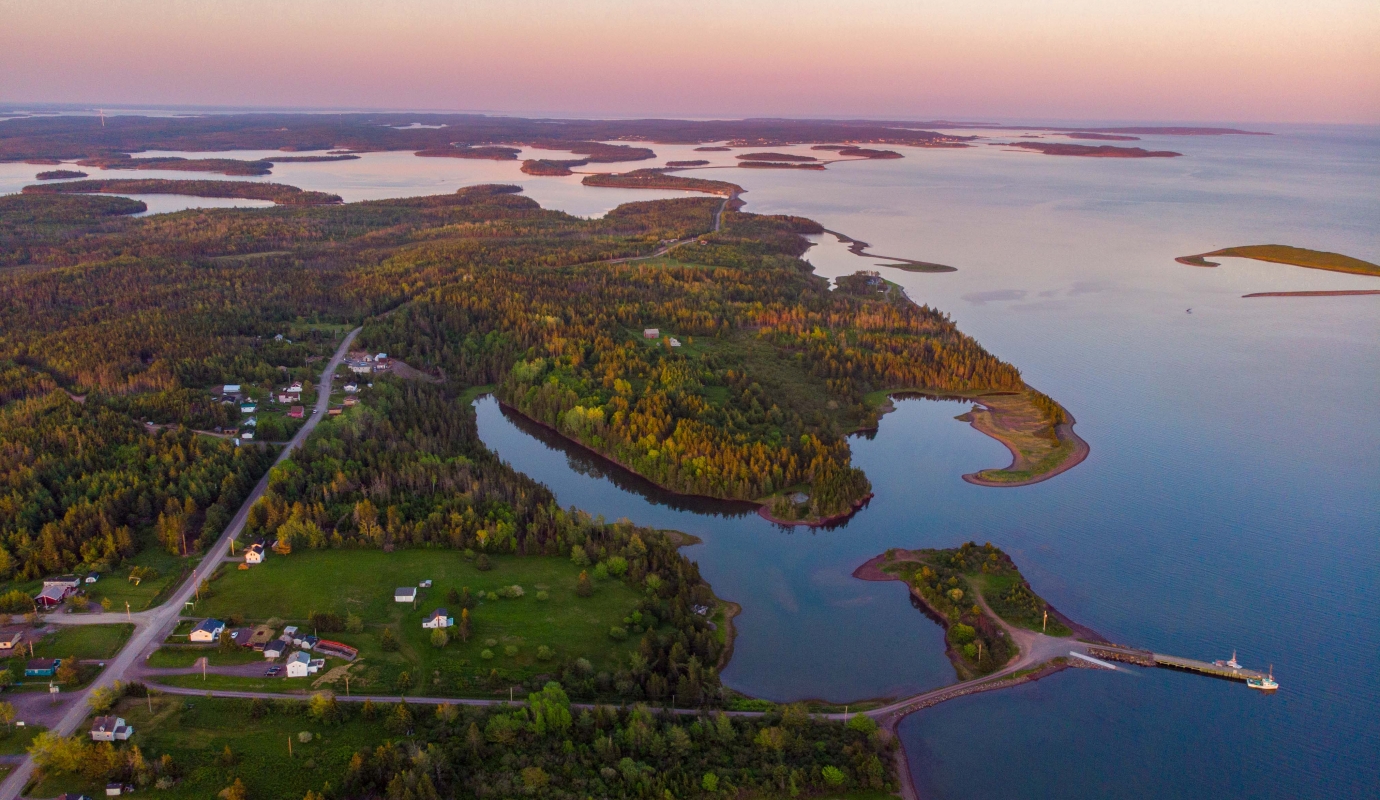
(747, 391)
(548, 748)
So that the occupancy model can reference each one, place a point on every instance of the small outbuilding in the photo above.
(439, 618)
(405, 594)
(276, 648)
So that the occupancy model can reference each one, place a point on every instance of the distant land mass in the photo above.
(1284, 254)
(1093, 151)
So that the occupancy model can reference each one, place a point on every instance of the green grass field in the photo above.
(361, 582)
(16, 740)
(195, 732)
(117, 587)
(169, 657)
(84, 641)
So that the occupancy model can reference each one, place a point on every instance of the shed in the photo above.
(405, 594)
(276, 648)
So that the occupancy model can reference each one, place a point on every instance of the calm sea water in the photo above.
(1231, 501)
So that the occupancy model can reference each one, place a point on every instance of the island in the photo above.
(713, 149)
(312, 159)
(1091, 151)
(484, 152)
(280, 194)
(59, 174)
(552, 167)
(774, 157)
(659, 179)
(225, 166)
(853, 151)
(1105, 137)
(778, 165)
(698, 162)
(1284, 254)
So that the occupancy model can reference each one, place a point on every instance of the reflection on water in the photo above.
(1229, 501)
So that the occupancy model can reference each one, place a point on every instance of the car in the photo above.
(272, 671)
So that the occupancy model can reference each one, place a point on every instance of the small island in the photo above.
(698, 162)
(225, 166)
(778, 165)
(852, 151)
(1104, 137)
(713, 149)
(658, 179)
(551, 167)
(774, 157)
(1284, 254)
(483, 152)
(990, 614)
(312, 159)
(1091, 151)
(280, 194)
(59, 174)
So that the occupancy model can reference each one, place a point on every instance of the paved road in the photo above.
(154, 625)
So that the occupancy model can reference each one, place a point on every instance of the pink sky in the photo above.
(1181, 60)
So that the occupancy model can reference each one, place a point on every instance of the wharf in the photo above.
(1145, 658)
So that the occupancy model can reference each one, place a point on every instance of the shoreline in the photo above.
(1336, 293)
(761, 507)
(859, 248)
(1064, 430)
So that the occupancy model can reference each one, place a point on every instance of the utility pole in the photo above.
(128, 616)
(289, 747)
(1045, 626)
(347, 684)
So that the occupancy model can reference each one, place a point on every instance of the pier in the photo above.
(1145, 658)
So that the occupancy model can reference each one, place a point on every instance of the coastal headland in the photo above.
(1285, 254)
(1038, 432)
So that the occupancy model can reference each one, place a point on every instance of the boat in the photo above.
(1232, 664)
(1266, 683)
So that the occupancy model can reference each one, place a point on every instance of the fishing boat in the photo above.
(1264, 684)
(1228, 664)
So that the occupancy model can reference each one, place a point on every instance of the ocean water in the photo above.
(1231, 500)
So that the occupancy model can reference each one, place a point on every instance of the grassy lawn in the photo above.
(171, 657)
(16, 740)
(993, 586)
(117, 587)
(361, 582)
(84, 641)
(196, 731)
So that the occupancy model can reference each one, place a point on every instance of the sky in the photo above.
(1147, 60)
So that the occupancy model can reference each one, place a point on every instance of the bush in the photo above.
(583, 586)
(510, 650)
(710, 781)
(15, 600)
(962, 634)
(439, 637)
(511, 592)
(388, 642)
(833, 775)
(543, 596)
(326, 621)
(486, 654)
(482, 563)
(354, 623)
(618, 634)
(862, 723)
(545, 653)
(617, 566)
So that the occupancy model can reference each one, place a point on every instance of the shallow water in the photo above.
(1229, 502)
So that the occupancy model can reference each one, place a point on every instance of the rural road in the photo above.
(154, 625)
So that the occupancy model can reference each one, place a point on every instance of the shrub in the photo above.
(388, 642)
(617, 566)
(601, 572)
(543, 596)
(510, 650)
(962, 634)
(618, 634)
(326, 621)
(491, 643)
(486, 654)
(545, 653)
(354, 623)
(862, 723)
(583, 586)
(482, 563)
(439, 637)
(511, 592)
(833, 775)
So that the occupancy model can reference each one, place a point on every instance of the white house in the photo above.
(651, 333)
(276, 648)
(247, 434)
(351, 388)
(248, 408)
(254, 554)
(295, 388)
(290, 632)
(298, 665)
(93, 577)
(675, 342)
(405, 594)
(230, 388)
(438, 619)
(208, 630)
(110, 729)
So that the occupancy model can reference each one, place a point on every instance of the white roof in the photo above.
(231, 388)
(298, 658)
